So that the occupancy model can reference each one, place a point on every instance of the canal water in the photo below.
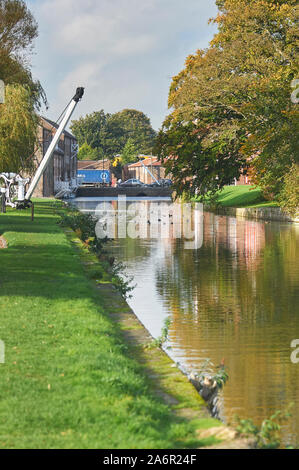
(232, 297)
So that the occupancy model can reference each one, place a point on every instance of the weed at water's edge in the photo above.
(161, 340)
(121, 281)
(268, 434)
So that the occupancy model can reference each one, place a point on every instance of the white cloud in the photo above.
(123, 51)
(98, 27)
(85, 74)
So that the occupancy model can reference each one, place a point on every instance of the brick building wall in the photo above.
(63, 164)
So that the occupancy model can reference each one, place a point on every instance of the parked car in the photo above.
(165, 182)
(162, 182)
(131, 182)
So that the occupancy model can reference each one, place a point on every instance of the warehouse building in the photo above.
(62, 169)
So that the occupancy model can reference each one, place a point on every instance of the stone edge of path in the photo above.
(138, 336)
(254, 213)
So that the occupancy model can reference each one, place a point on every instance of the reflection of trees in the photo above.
(239, 301)
(280, 274)
(226, 283)
(130, 250)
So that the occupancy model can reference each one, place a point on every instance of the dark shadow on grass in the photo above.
(20, 224)
(20, 220)
(40, 270)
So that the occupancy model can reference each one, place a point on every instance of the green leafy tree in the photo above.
(18, 29)
(109, 133)
(18, 129)
(91, 130)
(196, 166)
(86, 152)
(129, 153)
(134, 125)
(289, 197)
(235, 97)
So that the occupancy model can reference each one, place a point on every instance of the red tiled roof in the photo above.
(148, 161)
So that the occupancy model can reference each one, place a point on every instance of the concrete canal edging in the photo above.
(255, 213)
(142, 191)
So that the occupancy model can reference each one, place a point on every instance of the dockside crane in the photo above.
(13, 186)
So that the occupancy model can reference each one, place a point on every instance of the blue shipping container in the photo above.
(94, 176)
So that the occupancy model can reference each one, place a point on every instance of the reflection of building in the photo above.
(246, 238)
(63, 164)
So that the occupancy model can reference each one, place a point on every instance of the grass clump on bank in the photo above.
(68, 380)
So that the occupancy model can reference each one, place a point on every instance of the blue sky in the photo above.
(124, 52)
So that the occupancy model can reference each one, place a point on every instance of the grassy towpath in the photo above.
(71, 379)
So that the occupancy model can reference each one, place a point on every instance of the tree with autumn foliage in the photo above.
(231, 106)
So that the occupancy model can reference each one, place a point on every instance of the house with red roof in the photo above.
(139, 169)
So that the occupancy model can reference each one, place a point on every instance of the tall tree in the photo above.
(129, 152)
(236, 96)
(86, 152)
(134, 125)
(18, 128)
(23, 95)
(18, 29)
(91, 130)
(109, 133)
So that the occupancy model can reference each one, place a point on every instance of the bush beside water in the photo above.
(84, 225)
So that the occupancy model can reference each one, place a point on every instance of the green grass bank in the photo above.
(73, 377)
(247, 201)
(242, 196)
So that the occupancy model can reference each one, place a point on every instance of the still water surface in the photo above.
(235, 298)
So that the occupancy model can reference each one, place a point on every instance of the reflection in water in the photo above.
(234, 298)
